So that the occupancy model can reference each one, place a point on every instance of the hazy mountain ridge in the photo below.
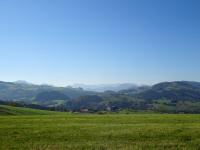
(166, 97)
(11, 91)
(178, 96)
(106, 87)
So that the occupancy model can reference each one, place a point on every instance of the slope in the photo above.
(10, 110)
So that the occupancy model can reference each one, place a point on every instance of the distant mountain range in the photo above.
(22, 91)
(170, 97)
(22, 82)
(106, 87)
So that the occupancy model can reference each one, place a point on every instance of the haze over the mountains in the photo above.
(139, 44)
(92, 87)
(106, 87)
(170, 97)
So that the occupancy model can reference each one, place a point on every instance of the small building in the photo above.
(84, 110)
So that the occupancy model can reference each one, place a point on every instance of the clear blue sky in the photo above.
(63, 42)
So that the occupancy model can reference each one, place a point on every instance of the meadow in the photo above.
(43, 130)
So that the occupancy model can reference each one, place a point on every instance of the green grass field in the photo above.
(43, 130)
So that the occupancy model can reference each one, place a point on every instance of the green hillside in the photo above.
(176, 91)
(10, 110)
(165, 97)
(27, 92)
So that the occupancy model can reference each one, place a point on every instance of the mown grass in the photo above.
(86, 131)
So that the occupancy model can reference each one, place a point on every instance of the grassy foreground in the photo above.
(55, 131)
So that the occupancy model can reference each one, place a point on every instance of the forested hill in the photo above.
(179, 90)
(12, 91)
(175, 97)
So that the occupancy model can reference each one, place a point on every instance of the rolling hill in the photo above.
(176, 91)
(173, 97)
(19, 91)
(10, 110)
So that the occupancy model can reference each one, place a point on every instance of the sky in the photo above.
(64, 42)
